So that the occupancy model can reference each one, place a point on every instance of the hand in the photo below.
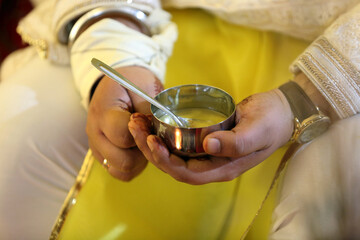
(264, 122)
(107, 122)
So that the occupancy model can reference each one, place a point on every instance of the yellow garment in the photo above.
(209, 51)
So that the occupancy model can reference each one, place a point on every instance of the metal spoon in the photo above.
(110, 72)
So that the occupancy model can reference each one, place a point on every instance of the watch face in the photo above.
(313, 129)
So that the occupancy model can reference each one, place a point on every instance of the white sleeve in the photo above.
(118, 45)
(332, 63)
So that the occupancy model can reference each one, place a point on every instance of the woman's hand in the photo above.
(264, 122)
(107, 122)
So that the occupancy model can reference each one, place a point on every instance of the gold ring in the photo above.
(105, 163)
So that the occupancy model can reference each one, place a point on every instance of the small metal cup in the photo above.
(187, 142)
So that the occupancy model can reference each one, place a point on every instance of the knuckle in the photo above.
(239, 147)
(243, 144)
(120, 138)
(125, 141)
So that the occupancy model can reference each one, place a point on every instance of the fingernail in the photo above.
(213, 145)
(150, 145)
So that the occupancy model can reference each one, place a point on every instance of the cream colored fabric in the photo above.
(42, 143)
(320, 195)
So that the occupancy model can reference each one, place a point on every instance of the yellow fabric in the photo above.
(209, 51)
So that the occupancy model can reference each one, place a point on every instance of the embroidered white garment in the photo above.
(332, 63)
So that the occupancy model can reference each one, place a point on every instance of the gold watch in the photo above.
(310, 122)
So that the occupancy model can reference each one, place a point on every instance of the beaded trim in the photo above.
(350, 72)
(40, 45)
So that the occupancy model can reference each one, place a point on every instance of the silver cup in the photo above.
(187, 142)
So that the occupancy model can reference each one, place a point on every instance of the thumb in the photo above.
(240, 141)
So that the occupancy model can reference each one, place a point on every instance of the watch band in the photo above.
(300, 103)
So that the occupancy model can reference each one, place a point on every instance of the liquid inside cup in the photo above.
(195, 117)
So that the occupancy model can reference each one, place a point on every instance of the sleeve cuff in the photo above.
(333, 75)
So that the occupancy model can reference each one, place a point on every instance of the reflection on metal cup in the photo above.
(187, 142)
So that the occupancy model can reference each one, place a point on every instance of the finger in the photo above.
(140, 128)
(124, 160)
(191, 171)
(160, 155)
(203, 171)
(134, 166)
(113, 170)
(245, 163)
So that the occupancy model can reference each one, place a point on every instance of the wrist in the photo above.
(309, 120)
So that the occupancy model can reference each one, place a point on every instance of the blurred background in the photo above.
(11, 11)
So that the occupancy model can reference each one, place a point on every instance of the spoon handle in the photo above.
(110, 72)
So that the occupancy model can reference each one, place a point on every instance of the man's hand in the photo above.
(107, 123)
